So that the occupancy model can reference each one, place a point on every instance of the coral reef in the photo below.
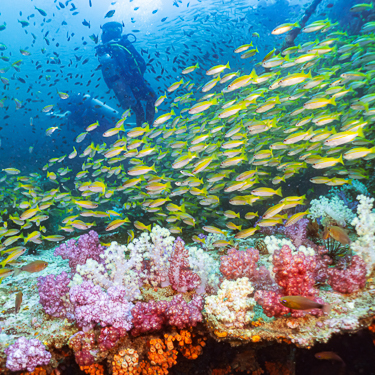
(238, 264)
(126, 303)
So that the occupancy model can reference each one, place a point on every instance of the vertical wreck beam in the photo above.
(292, 35)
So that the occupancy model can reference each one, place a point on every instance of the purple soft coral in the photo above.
(151, 316)
(87, 246)
(52, 290)
(182, 314)
(26, 354)
(298, 233)
(92, 306)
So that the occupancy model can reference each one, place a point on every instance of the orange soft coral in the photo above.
(94, 369)
(37, 371)
(185, 344)
(126, 362)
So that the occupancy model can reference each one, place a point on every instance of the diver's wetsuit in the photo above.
(123, 68)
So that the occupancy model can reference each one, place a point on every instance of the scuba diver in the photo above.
(82, 110)
(123, 69)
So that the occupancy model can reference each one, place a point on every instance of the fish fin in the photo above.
(326, 309)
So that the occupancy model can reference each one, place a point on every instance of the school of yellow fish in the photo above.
(312, 107)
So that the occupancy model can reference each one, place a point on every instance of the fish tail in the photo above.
(360, 133)
(17, 271)
(326, 309)
(340, 160)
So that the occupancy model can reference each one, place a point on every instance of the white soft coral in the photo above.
(329, 210)
(365, 227)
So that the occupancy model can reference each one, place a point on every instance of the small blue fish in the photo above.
(24, 23)
(94, 38)
(41, 11)
(110, 14)
(85, 23)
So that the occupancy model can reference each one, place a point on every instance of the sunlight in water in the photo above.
(125, 9)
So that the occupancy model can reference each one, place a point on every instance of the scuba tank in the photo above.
(111, 69)
(115, 76)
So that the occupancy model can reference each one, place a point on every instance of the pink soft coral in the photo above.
(348, 280)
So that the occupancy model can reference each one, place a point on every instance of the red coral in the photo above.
(181, 277)
(237, 264)
(294, 273)
(182, 314)
(148, 316)
(82, 343)
(108, 337)
(348, 280)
